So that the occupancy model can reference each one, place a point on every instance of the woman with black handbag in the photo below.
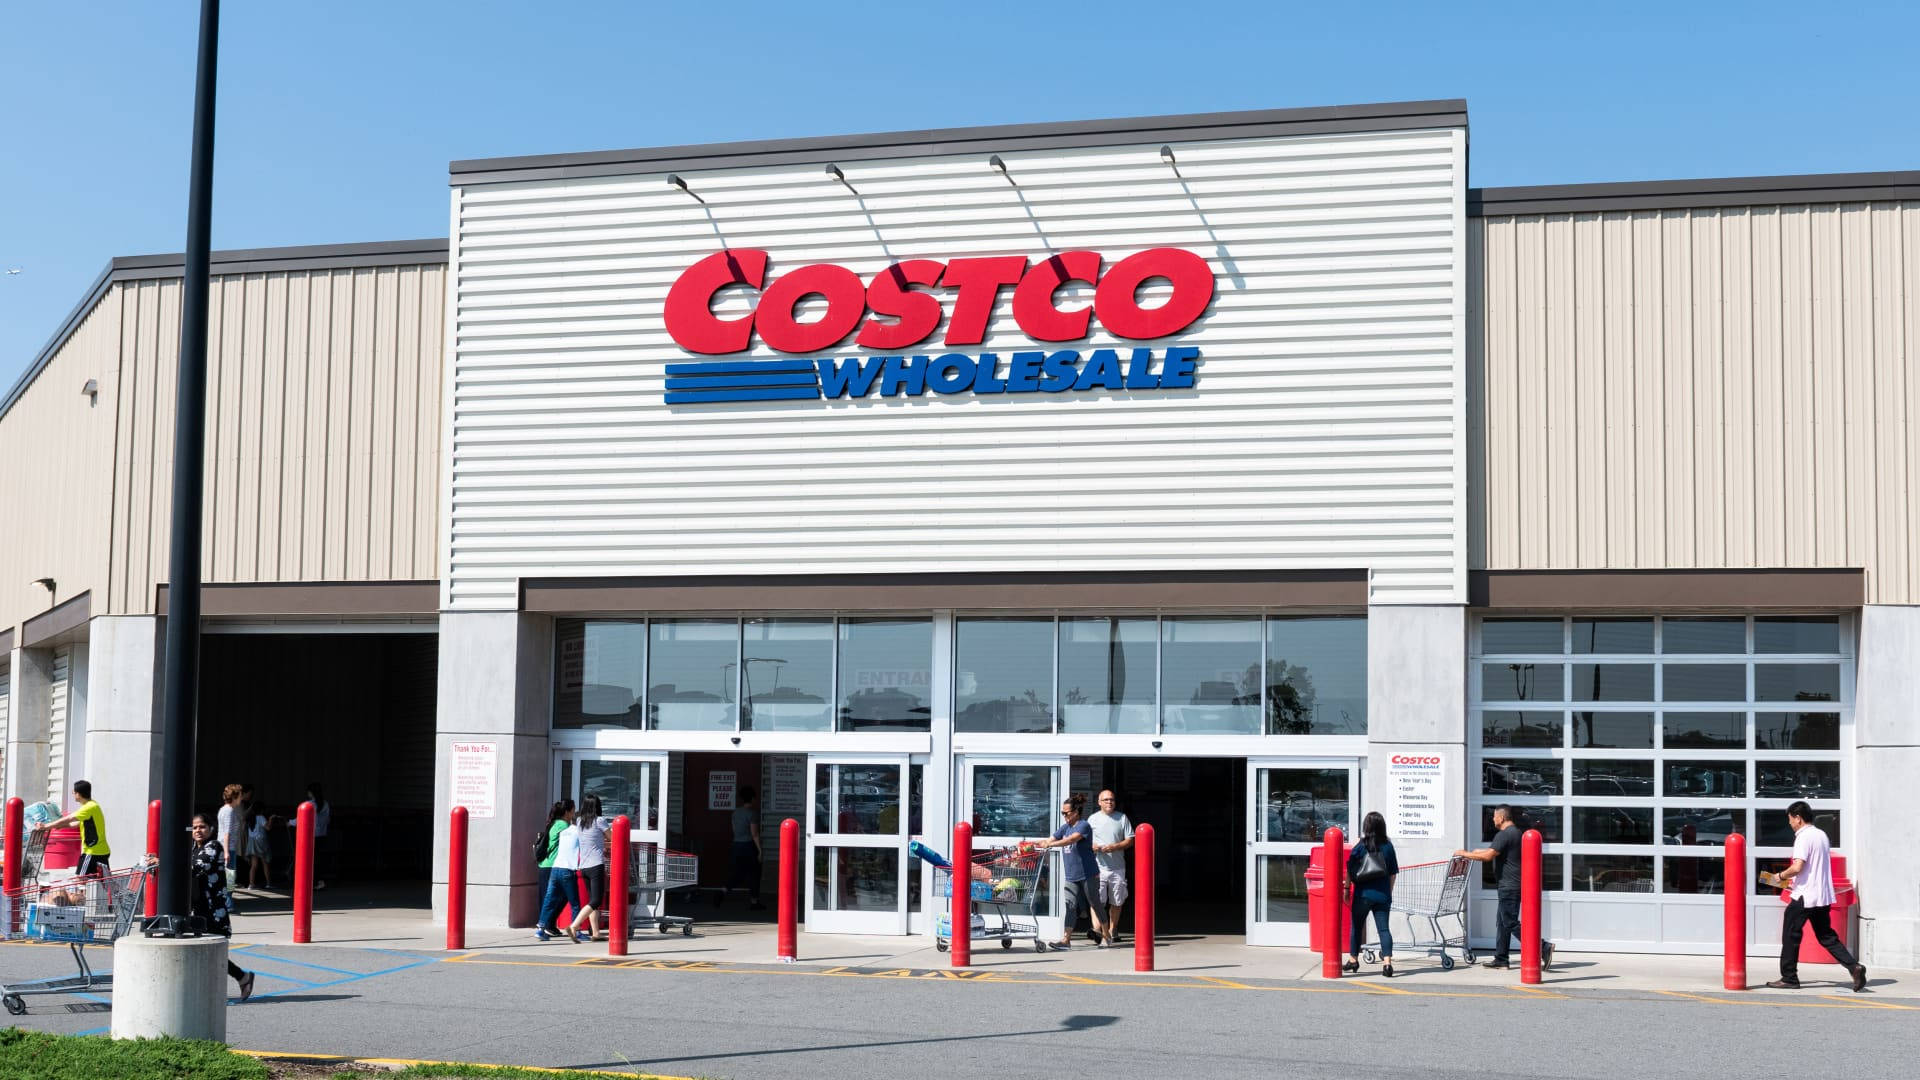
(1371, 867)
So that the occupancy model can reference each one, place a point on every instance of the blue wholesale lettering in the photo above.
(981, 374)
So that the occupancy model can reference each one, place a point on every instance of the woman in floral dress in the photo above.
(207, 893)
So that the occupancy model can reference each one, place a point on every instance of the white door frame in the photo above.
(1259, 931)
(963, 800)
(826, 921)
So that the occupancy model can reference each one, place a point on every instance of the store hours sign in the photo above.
(1416, 796)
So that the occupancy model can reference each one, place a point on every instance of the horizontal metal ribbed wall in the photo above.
(1324, 430)
(1701, 388)
(323, 428)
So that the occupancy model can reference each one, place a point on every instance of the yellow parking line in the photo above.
(1779, 1003)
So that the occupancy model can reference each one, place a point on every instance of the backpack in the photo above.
(540, 844)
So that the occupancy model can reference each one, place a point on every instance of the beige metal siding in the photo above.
(323, 428)
(57, 450)
(1701, 388)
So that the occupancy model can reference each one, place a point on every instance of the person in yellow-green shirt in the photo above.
(92, 822)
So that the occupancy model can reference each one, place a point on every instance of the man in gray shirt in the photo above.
(1112, 836)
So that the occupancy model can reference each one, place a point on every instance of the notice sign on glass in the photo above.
(475, 775)
(721, 789)
(1416, 789)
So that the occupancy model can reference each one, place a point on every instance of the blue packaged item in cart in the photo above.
(926, 854)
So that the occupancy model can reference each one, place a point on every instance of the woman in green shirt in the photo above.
(558, 816)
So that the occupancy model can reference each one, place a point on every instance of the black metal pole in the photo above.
(182, 702)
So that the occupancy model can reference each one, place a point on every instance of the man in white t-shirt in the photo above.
(1811, 874)
(1112, 835)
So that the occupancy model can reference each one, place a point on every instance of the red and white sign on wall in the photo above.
(476, 771)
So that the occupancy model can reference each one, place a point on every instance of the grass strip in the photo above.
(41, 1055)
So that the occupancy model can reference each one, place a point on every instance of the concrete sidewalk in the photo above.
(340, 921)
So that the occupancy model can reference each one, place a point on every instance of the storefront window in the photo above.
(1613, 779)
(1316, 679)
(1107, 675)
(600, 668)
(1772, 830)
(1210, 675)
(1613, 730)
(1522, 636)
(1722, 779)
(1797, 731)
(1613, 682)
(1796, 682)
(1691, 826)
(787, 678)
(1705, 731)
(1612, 636)
(1003, 675)
(1521, 776)
(1522, 682)
(1704, 682)
(1013, 801)
(1613, 873)
(1703, 636)
(1522, 729)
(1798, 634)
(692, 670)
(886, 674)
(1612, 825)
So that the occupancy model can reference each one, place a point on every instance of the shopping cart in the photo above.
(657, 870)
(1003, 881)
(1426, 894)
(78, 911)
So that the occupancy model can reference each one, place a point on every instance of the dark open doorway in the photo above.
(1197, 807)
(354, 712)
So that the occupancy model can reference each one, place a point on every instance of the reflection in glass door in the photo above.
(630, 783)
(1010, 799)
(857, 844)
(1291, 804)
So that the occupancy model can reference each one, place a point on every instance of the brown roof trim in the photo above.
(926, 592)
(332, 598)
(6, 640)
(56, 621)
(1002, 138)
(1664, 590)
(1682, 194)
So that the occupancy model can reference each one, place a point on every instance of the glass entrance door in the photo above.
(1010, 799)
(857, 843)
(1291, 803)
(633, 783)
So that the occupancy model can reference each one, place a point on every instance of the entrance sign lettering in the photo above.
(1416, 796)
(476, 770)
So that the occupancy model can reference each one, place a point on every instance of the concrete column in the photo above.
(496, 682)
(170, 987)
(29, 719)
(940, 804)
(1886, 801)
(1417, 704)
(122, 737)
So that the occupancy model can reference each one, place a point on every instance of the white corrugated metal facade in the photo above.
(60, 696)
(1325, 429)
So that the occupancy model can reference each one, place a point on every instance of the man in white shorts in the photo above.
(1112, 836)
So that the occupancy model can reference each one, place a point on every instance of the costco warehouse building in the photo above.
(1250, 464)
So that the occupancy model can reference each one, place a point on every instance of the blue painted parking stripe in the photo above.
(350, 979)
(297, 963)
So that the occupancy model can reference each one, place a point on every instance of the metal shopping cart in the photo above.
(78, 911)
(1426, 895)
(1005, 882)
(657, 871)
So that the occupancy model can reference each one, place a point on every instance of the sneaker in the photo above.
(1859, 978)
(541, 933)
(1061, 946)
(246, 986)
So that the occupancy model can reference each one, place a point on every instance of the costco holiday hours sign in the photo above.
(1416, 796)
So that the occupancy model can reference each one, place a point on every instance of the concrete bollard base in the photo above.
(170, 987)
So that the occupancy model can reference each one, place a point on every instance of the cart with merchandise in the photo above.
(656, 872)
(1429, 895)
(77, 911)
(1004, 886)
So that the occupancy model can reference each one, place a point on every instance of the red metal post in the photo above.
(961, 939)
(1530, 906)
(789, 891)
(619, 876)
(457, 879)
(303, 875)
(153, 848)
(16, 839)
(1142, 898)
(1333, 905)
(1734, 965)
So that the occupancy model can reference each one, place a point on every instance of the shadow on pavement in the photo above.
(1071, 1023)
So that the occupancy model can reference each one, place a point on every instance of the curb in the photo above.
(396, 1064)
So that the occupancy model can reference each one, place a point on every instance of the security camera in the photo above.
(736, 740)
(1156, 744)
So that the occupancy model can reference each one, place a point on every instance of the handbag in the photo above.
(1372, 868)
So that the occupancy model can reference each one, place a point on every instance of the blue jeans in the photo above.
(545, 876)
(1364, 902)
(560, 893)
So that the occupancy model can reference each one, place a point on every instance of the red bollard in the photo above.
(1530, 906)
(1142, 899)
(303, 875)
(1333, 907)
(619, 875)
(789, 891)
(457, 879)
(961, 925)
(16, 840)
(1733, 975)
(153, 848)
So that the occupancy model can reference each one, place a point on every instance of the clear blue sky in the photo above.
(337, 119)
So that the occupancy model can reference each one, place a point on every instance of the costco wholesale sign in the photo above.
(903, 318)
(1246, 353)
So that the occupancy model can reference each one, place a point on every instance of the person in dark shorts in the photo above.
(92, 822)
(1078, 871)
(1505, 857)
